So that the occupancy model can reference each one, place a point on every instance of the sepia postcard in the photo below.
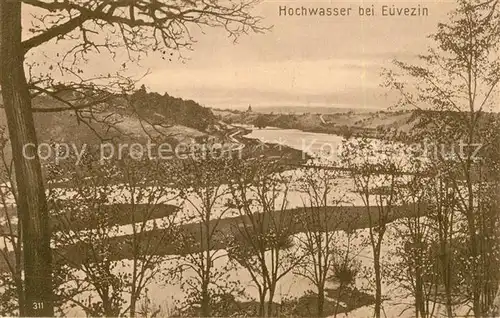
(250, 158)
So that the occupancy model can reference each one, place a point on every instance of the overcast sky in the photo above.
(320, 61)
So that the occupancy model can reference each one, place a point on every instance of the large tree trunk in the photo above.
(32, 204)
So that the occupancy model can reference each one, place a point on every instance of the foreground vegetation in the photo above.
(241, 208)
(213, 217)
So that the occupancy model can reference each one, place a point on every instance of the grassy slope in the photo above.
(187, 117)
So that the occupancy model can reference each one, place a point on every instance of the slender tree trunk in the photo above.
(419, 240)
(19, 277)
(32, 204)
(471, 221)
(449, 297)
(20, 294)
(447, 283)
(270, 305)
(321, 269)
(476, 283)
(262, 306)
(419, 294)
(262, 303)
(337, 301)
(378, 281)
(419, 281)
(133, 301)
(321, 299)
(134, 295)
(205, 305)
(205, 295)
(445, 237)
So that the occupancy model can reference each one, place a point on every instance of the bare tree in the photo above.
(203, 184)
(261, 242)
(321, 218)
(459, 80)
(417, 269)
(135, 26)
(91, 211)
(91, 236)
(443, 204)
(10, 232)
(376, 172)
(147, 193)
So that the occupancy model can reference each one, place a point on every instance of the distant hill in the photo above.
(168, 109)
(305, 109)
(311, 109)
(378, 124)
(136, 116)
(340, 123)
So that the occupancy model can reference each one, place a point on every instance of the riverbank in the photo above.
(377, 124)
